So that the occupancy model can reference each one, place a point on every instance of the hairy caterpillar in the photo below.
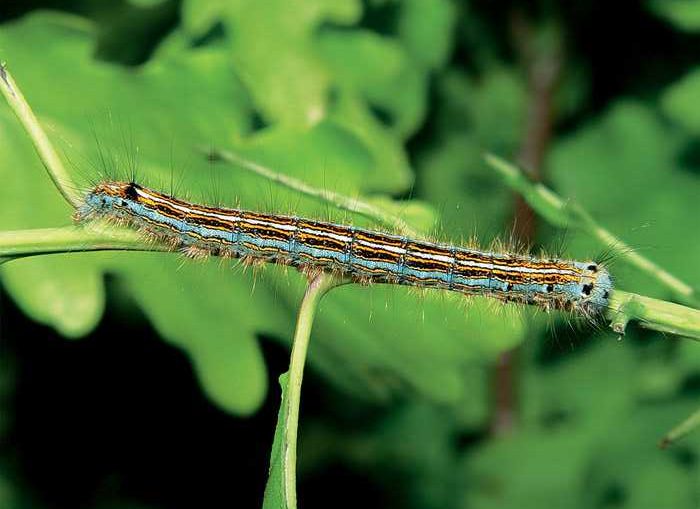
(359, 254)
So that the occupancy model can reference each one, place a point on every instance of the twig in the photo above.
(340, 201)
(42, 145)
(318, 286)
(653, 314)
(681, 430)
(543, 64)
(556, 211)
(69, 239)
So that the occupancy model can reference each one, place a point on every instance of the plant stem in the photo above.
(681, 430)
(541, 58)
(67, 239)
(652, 314)
(54, 167)
(557, 212)
(340, 201)
(317, 288)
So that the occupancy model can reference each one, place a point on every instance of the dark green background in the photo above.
(168, 398)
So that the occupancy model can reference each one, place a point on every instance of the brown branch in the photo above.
(543, 67)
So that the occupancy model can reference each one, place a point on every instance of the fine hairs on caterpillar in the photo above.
(362, 255)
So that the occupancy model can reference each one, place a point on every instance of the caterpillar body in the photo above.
(359, 254)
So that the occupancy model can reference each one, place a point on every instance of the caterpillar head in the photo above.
(105, 197)
(594, 289)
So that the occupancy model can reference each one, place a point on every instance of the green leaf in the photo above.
(275, 491)
(529, 470)
(585, 435)
(680, 101)
(300, 74)
(392, 168)
(396, 339)
(272, 44)
(326, 155)
(684, 14)
(8, 496)
(217, 330)
(146, 3)
(62, 291)
(482, 115)
(379, 70)
(425, 27)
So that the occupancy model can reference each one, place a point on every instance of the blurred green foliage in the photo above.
(395, 100)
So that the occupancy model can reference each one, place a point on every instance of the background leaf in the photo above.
(274, 489)
(394, 102)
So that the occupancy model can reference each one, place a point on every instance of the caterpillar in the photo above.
(362, 255)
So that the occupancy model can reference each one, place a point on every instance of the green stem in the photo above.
(558, 212)
(340, 201)
(652, 314)
(685, 427)
(42, 145)
(317, 288)
(23, 243)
